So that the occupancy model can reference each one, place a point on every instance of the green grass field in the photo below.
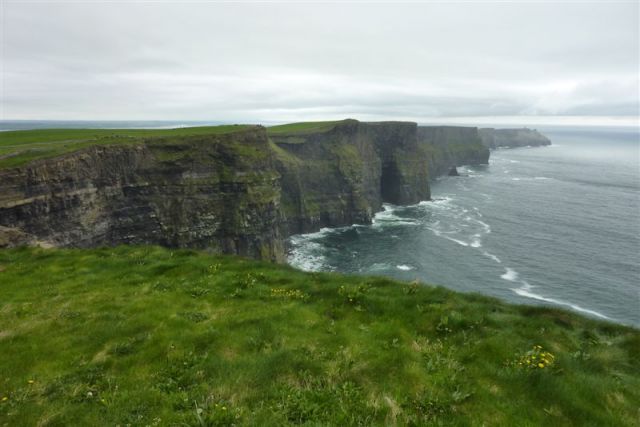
(302, 128)
(145, 336)
(19, 147)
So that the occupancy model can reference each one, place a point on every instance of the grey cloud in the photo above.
(277, 62)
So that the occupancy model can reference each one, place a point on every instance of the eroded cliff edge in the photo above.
(512, 138)
(241, 193)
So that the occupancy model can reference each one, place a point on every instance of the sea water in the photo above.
(556, 225)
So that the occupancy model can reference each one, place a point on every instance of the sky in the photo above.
(468, 62)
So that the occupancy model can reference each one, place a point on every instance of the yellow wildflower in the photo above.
(540, 365)
(30, 381)
(4, 399)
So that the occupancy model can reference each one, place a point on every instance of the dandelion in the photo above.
(535, 359)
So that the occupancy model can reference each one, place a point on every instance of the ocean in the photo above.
(557, 225)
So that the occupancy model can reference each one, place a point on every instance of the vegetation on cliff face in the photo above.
(230, 189)
(151, 336)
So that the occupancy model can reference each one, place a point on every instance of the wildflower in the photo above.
(30, 381)
(224, 408)
(540, 365)
(5, 398)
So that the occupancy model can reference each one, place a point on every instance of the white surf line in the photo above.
(525, 290)
(492, 256)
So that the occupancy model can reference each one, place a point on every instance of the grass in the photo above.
(158, 337)
(20, 147)
(303, 128)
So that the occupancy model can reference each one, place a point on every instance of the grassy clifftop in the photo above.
(302, 128)
(151, 336)
(19, 147)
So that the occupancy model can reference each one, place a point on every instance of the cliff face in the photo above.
(449, 146)
(217, 192)
(342, 176)
(496, 138)
(239, 193)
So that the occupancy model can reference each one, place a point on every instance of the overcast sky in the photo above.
(485, 62)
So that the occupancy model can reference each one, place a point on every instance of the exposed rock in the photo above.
(342, 176)
(453, 171)
(446, 146)
(219, 192)
(239, 193)
(12, 237)
(512, 138)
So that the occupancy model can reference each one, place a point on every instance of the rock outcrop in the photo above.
(240, 193)
(512, 138)
(448, 146)
(342, 176)
(219, 192)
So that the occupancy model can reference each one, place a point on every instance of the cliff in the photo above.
(219, 192)
(448, 146)
(512, 138)
(342, 175)
(241, 190)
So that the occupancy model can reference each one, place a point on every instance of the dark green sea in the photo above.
(557, 225)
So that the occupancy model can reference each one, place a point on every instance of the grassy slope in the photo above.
(19, 147)
(150, 336)
(303, 127)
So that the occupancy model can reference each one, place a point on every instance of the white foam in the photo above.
(492, 256)
(460, 242)
(510, 275)
(404, 267)
(525, 292)
(485, 226)
(308, 256)
(379, 266)
(388, 217)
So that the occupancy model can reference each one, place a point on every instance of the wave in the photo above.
(535, 178)
(492, 256)
(525, 290)
(388, 217)
(308, 256)
(405, 267)
(510, 275)
(456, 223)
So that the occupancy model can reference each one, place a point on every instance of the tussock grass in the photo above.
(152, 336)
